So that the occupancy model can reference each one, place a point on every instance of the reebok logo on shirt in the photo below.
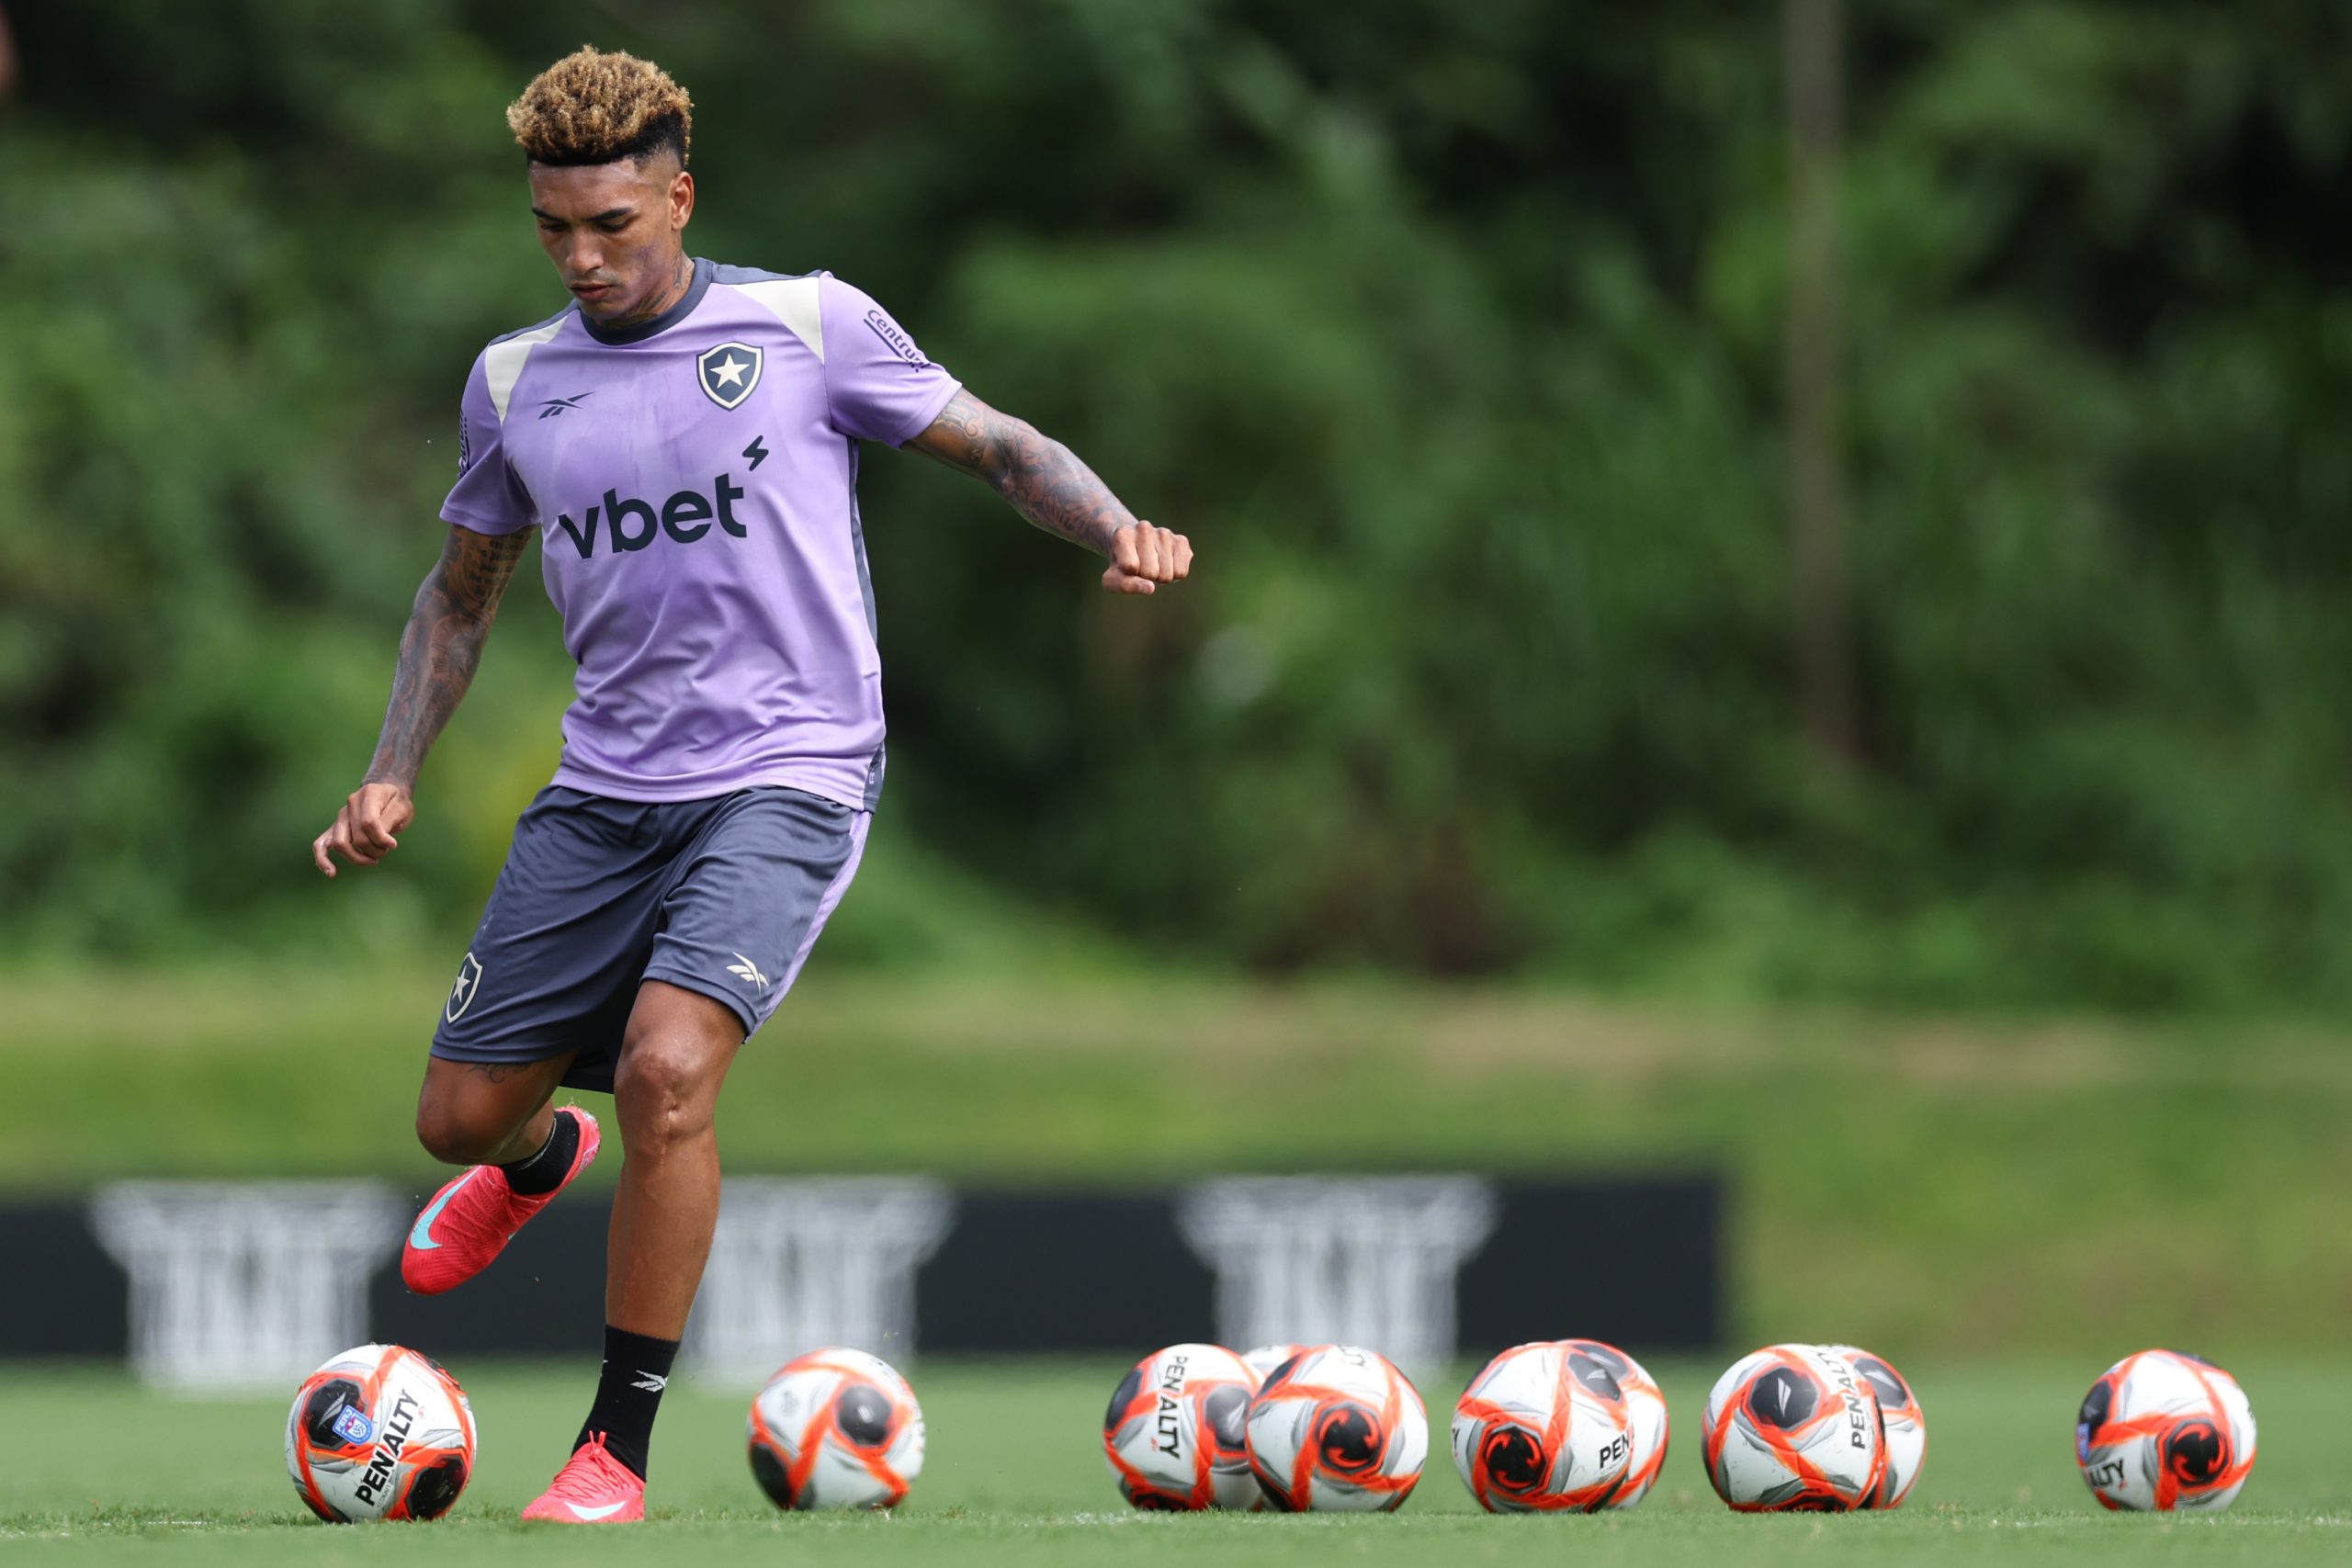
(632, 524)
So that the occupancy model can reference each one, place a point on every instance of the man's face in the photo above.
(613, 231)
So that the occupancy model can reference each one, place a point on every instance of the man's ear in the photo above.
(681, 200)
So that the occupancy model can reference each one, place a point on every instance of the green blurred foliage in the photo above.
(1451, 333)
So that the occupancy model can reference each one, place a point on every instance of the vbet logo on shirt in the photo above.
(717, 602)
(631, 524)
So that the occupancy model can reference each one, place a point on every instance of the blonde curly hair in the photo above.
(594, 108)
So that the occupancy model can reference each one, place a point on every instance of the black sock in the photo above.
(629, 1393)
(544, 1171)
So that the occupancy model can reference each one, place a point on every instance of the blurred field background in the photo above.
(1516, 786)
(2074, 1186)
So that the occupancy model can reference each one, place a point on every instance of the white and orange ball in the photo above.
(1266, 1358)
(1645, 1420)
(1543, 1428)
(1173, 1435)
(1794, 1426)
(379, 1432)
(836, 1428)
(1905, 1424)
(2164, 1430)
(1337, 1429)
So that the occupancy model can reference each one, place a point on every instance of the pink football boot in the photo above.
(592, 1488)
(473, 1217)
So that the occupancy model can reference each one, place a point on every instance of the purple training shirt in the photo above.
(694, 479)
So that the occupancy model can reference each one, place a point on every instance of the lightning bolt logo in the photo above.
(757, 453)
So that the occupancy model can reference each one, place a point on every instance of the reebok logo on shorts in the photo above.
(749, 973)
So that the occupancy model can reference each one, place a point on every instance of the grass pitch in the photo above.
(95, 1470)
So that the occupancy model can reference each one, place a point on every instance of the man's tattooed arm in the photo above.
(439, 651)
(442, 646)
(1044, 480)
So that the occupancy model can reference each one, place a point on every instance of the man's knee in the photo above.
(472, 1112)
(459, 1124)
(665, 1087)
(455, 1137)
(663, 1093)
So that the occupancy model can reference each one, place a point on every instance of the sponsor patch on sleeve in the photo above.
(894, 337)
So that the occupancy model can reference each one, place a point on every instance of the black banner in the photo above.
(1633, 1259)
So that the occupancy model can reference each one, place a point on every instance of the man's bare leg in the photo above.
(673, 1061)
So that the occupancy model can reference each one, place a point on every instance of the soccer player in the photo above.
(683, 440)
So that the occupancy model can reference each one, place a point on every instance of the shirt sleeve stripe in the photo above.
(502, 362)
(793, 301)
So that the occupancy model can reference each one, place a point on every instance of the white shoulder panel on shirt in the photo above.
(502, 362)
(793, 301)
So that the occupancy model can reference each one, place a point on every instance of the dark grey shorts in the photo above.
(724, 896)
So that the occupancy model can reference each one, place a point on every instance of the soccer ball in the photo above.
(1266, 1358)
(2164, 1430)
(1173, 1434)
(836, 1430)
(1543, 1428)
(379, 1433)
(1645, 1420)
(1905, 1425)
(1794, 1426)
(1337, 1429)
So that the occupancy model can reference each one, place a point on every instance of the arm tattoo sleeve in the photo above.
(442, 646)
(1044, 480)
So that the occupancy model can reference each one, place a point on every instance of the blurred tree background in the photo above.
(1452, 333)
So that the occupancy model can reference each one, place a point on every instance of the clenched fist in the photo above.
(1143, 557)
(367, 828)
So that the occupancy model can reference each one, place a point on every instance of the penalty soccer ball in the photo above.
(1905, 1425)
(1645, 1420)
(1173, 1434)
(1542, 1428)
(2164, 1431)
(836, 1430)
(379, 1432)
(1266, 1358)
(1337, 1429)
(1794, 1426)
